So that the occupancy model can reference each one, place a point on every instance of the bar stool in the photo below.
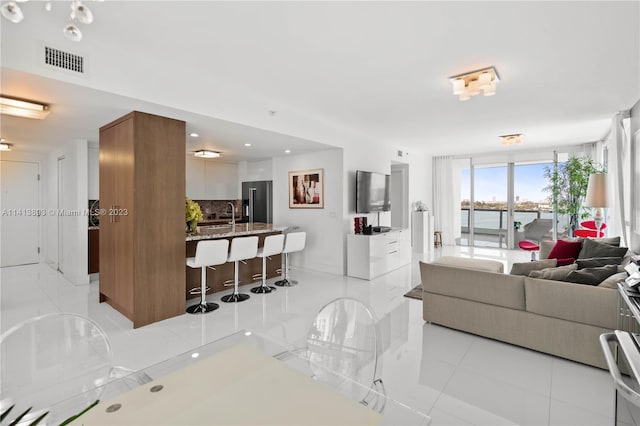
(242, 248)
(293, 242)
(208, 254)
(273, 244)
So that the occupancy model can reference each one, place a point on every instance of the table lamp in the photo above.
(597, 197)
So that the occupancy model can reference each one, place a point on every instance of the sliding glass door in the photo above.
(500, 201)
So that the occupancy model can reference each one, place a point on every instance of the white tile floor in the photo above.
(456, 378)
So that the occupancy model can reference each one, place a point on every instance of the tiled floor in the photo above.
(456, 378)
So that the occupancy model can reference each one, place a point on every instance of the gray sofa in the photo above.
(558, 318)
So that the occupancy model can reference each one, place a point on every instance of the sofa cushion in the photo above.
(547, 245)
(612, 241)
(592, 248)
(613, 280)
(525, 267)
(565, 249)
(493, 288)
(595, 262)
(556, 274)
(591, 276)
(476, 264)
(573, 302)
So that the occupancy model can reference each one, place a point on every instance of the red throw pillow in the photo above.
(565, 249)
(564, 262)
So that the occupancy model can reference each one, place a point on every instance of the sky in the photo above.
(491, 182)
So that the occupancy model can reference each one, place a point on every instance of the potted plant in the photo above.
(193, 215)
(568, 187)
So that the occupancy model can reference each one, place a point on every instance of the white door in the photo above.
(19, 205)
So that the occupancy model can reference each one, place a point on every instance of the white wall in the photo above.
(211, 179)
(93, 170)
(635, 178)
(324, 248)
(75, 236)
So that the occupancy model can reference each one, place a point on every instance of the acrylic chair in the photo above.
(344, 341)
(54, 357)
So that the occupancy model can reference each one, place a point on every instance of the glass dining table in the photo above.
(245, 378)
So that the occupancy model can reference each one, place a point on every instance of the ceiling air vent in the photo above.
(64, 60)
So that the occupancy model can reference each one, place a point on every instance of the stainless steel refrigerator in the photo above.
(257, 200)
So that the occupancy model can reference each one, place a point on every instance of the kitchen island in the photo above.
(248, 274)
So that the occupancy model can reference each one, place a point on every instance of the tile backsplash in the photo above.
(219, 209)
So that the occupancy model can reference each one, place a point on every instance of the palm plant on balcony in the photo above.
(567, 187)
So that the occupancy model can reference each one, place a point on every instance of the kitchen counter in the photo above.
(249, 272)
(228, 231)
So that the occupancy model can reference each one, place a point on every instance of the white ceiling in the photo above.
(340, 71)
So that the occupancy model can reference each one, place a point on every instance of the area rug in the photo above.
(415, 293)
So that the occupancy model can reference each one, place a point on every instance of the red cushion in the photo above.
(591, 224)
(563, 262)
(528, 245)
(565, 249)
(584, 233)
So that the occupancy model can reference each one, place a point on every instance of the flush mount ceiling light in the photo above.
(79, 14)
(22, 108)
(512, 139)
(203, 153)
(5, 146)
(473, 83)
(194, 135)
(247, 144)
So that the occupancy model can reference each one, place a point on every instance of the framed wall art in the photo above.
(306, 189)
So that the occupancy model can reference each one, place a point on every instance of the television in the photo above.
(372, 192)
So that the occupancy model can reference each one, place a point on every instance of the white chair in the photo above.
(51, 358)
(208, 254)
(273, 244)
(242, 248)
(294, 242)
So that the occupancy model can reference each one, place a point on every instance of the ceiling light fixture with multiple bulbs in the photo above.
(475, 82)
(203, 153)
(80, 14)
(23, 108)
(514, 139)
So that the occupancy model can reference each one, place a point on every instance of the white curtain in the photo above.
(444, 204)
(618, 148)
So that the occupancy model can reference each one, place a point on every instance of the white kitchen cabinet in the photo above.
(211, 179)
(93, 173)
(369, 256)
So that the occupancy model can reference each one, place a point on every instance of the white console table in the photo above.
(369, 256)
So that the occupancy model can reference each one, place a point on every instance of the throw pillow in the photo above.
(564, 262)
(592, 248)
(565, 249)
(612, 241)
(612, 281)
(591, 276)
(525, 267)
(556, 274)
(595, 262)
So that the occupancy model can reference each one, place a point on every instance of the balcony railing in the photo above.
(490, 221)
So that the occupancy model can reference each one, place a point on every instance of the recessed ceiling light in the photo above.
(287, 151)
(5, 146)
(203, 153)
(247, 144)
(512, 139)
(194, 134)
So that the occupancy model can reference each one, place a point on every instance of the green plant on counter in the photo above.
(193, 214)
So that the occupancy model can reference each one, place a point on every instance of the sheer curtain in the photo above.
(618, 148)
(444, 205)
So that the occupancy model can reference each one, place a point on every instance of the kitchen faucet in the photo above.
(233, 213)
